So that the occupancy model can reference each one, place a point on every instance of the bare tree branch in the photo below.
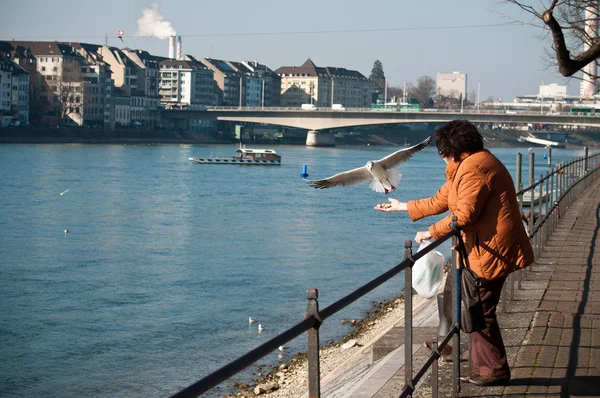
(568, 16)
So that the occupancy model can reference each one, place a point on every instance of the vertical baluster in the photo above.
(456, 313)
(540, 235)
(434, 371)
(531, 223)
(548, 201)
(408, 316)
(314, 374)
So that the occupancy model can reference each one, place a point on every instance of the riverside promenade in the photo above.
(551, 327)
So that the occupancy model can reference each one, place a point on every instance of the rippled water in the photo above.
(164, 260)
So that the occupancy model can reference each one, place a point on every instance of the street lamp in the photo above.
(385, 94)
(478, 87)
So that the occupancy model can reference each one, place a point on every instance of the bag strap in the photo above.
(464, 260)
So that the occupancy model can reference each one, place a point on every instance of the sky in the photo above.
(411, 38)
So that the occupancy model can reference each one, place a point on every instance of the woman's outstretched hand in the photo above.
(394, 205)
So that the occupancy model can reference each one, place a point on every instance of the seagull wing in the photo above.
(402, 155)
(347, 178)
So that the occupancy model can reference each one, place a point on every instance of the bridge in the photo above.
(318, 122)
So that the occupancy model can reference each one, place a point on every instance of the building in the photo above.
(5, 85)
(69, 82)
(261, 86)
(96, 77)
(145, 97)
(121, 106)
(323, 86)
(57, 84)
(186, 84)
(553, 90)
(452, 85)
(20, 94)
(229, 83)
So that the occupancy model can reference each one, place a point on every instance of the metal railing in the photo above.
(563, 184)
(548, 198)
(315, 317)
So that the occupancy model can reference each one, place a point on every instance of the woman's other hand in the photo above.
(394, 205)
(422, 235)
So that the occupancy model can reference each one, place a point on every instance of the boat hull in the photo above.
(236, 161)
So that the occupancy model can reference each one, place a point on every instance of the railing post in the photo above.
(539, 223)
(408, 316)
(434, 370)
(553, 190)
(314, 375)
(531, 202)
(549, 200)
(519, 173)
(585, 156)
(456, 313)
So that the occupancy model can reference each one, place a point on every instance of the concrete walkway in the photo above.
(551, 327)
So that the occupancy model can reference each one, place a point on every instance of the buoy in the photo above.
(304, 173)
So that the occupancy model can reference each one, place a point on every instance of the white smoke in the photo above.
(153, 24)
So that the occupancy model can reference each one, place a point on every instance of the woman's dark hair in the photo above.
(457, 137)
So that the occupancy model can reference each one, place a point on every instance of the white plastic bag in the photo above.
(428, 271)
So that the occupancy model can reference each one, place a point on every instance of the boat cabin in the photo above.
(257, 154)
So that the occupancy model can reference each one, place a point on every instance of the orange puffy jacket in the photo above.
(481, 194)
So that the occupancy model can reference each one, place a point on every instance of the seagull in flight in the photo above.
(384, 179)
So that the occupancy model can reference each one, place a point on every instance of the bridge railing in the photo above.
(465, 111)
(315, 318)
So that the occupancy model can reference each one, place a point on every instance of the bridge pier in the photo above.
(319, 138)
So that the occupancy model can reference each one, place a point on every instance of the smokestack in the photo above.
(591, 28)
(179, 54)
(172, 47)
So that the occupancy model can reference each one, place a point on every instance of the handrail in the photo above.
(236, 366)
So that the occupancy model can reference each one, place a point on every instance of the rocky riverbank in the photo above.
(290, 380)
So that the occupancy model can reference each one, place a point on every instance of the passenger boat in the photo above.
(245, 155)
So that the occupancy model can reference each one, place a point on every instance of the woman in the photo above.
(480, 192)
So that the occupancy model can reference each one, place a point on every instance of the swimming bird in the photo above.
(282, 348)
(62, 193)
(379, 171)
(251, 320)
(260, 327)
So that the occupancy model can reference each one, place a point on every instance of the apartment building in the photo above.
(5, 85)
(452, 85)
(96, 77)
(229, 83)
(261, 86)
(186, 85)
(67, 81)
(145, 98)
(323, 86)
(20, 94)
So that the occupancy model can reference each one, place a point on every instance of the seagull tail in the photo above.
(394, 178)
(377, 186)
(385, 186)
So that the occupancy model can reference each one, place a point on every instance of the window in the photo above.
(43, 68)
